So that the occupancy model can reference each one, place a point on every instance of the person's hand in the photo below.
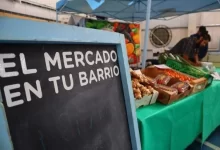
(198, 64)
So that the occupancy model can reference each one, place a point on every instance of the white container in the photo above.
(154, 97)
(208, 66)
(144, 101)
(147, 100)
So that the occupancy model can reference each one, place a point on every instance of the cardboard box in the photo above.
(164, 96)
(198, 84)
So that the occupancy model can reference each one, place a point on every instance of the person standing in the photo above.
(204, 48)
(189, 48)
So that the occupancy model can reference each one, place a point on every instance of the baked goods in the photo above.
(170, 90)
(181, 87)
(162, 79)
(141, 85)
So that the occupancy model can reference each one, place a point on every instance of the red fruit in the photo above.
(132, 34)
(134, 58)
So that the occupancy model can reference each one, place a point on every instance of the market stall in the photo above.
(182, 112)
(40, 58)
(176, 126)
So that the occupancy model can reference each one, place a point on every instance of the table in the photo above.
(175, 126)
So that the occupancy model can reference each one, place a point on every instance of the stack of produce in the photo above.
(177, 88)
(167, 89)
(180, 65)
(141, 85)
(178, 75)
(168, 84)
(198, 84)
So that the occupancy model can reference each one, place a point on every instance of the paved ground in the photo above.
(212, 143)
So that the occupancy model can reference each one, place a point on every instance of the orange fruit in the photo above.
(130, 48)
(136, 38)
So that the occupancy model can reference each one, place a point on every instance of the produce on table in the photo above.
(181, 87)
(140, 85)
(170, 90)
(188, 69)
(162, 79)
(151, 81)
(178, 75)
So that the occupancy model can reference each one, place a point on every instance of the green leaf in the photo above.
(135, 30)
(137, 46)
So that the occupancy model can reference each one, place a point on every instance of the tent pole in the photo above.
(57, 13)
(146, 37)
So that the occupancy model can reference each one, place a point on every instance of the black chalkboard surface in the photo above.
(54, 102)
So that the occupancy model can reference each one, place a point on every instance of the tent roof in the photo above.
(135, 10)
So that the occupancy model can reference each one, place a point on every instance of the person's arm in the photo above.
(186, 58)
(197, 62)
(189, 49)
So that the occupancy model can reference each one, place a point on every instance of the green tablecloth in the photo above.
(211, 109)
(175, 126)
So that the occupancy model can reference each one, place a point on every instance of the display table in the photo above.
(175, 126)
(211, 109)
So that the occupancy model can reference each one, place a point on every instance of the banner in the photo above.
(130, 31)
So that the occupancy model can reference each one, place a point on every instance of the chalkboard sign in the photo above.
(63, 97)
(65, 88)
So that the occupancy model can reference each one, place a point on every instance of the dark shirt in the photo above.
(195, 35)
(202, 50)
(185, 46)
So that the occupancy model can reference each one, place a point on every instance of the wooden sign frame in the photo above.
(25, 31)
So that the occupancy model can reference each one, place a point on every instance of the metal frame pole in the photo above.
(60, 11)
(57, 13)
(146, 36)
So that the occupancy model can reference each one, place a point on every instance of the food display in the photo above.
(141, 85)
(188, 69)
(143, 90)
(176, 74)
(198, 84)
(168, 93)
(172, 91)
(171, 85)
(162, 79)
(151, 81)
(181, 87)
